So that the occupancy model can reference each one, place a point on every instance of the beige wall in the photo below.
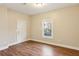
(66, 26)
(3, 26)
(8, 23)
(13, 18)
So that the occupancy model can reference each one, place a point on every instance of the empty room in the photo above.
(39, 29)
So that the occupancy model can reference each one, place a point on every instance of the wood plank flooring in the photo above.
(32, 48)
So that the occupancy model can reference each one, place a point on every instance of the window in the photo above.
(47, 31)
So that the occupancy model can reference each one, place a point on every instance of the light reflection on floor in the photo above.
(47, 51)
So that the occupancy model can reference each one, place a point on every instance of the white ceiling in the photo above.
(30, 9)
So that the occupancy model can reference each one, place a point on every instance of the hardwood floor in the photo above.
(32, 48)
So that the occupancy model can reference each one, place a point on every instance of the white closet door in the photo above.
(21, 30)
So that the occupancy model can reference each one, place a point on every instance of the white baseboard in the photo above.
(5, 47)
(61, 45)
(16, 43)
(13, 44)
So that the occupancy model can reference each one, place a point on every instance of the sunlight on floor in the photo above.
(47, 51)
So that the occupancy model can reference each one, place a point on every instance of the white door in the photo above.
(21, 31)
